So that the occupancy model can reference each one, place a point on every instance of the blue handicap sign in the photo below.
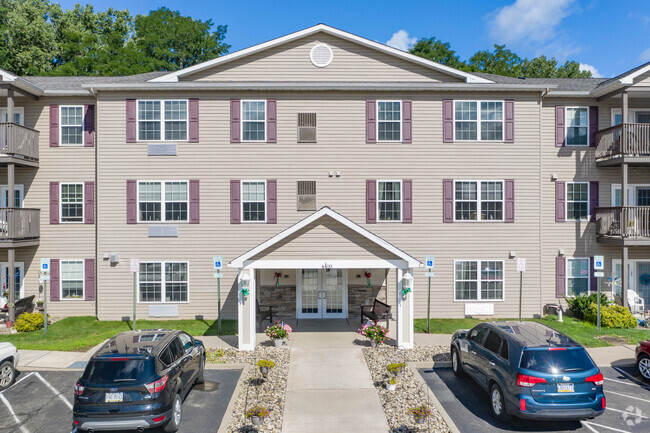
(45, 266)
(429, 261)
(217, 261)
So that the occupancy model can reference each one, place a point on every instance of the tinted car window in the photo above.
(493, 342)
(504, 349)
(476, 334)
(556, 361)
(176, 349)
(186, 341)
(106, 371)
(166, 357)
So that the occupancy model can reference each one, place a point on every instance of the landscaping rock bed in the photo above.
(255, 390)
(410, 392)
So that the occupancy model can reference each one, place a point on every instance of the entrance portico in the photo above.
(318, 261)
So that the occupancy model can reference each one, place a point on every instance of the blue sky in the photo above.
(609, 36)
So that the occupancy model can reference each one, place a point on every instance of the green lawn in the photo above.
(583, 332)
(82, 333)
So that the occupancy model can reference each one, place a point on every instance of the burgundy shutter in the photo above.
(235, 202)
(560, 202)
(55, 285)
(593, 199)
(407, 201)
(195, 213)
(272, 201)
(131, 202)
(89, 125)
(271, 121)
(509, 216)
(509, 136)
(560, 277)
(593, 281)
(407, 108)
(371, 121)
(193, 117)
(559, 126)
(447, 120)
(235, 119)
(54, 202)
(447, 201)
(593, 125)
(131, 119)
(89, 276)
(54, 126)
(371, 201)
(89, 202)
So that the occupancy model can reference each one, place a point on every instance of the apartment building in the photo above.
(322, 167)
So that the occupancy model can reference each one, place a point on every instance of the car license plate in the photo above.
(114, 397)
(564, 387)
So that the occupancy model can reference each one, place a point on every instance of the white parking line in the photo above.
(589, 427)
(18, 381)
(65, 400)
(589, 424)
(629, 413)
(628, 396)
(621, 381)
(11, 409)
(632, 378)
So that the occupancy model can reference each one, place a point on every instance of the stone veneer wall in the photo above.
(282, 299)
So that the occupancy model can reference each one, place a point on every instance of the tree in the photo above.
(501, 61)
(438, 51)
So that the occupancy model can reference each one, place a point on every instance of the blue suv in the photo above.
(530, 371)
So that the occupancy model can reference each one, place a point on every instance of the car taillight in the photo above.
(529, 381)
(157, 386)
(597, 379)
(78, 389)
(522, 405)
(160, 418)
(557, 348)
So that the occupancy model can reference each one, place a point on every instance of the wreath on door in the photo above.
(644, 279)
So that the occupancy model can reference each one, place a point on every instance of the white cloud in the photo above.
(528, 20)
(645, 55)
(592, 69)
(401, 40)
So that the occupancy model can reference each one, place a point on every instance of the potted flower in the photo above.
(420, 413)
(257, 414)
(391, 384)
(376, 334)
(396, 368)
(278, 332)
(265, 366)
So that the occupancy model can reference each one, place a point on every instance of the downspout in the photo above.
(540, 222)
(92, 92)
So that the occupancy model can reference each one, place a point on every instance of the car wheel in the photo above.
(7, 375)
(456, 365)
(199, 377)
(177, 414)
(497, 403)
(643, 365)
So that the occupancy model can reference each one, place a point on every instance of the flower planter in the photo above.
(278, 342)
(373, 343)
(264, 371)
(256, 420)
(420, 420)
(391, 386)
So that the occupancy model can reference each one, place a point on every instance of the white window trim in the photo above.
(401, 202)
(20, 265)
(83, 126)
(266, 202)
(163, 282)
(83, 268)
(162, 120)
(401, 120)
(566, 126)
(566, 272)
(83, 202)
(163, 214)
(479, 201)
(566, 207)
(478, 120)
(631, 192)
(241, 121)
(19, 110)
(631, 114)
(478, 281)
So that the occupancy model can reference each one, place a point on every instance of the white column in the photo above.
(246, 311)
(404, 313)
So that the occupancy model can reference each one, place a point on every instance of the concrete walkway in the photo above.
(329, 388)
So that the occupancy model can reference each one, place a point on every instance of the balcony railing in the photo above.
(19, 224)
(18, 140)
(627, 139)
(624, 222)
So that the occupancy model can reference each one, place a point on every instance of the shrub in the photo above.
(260, 411)
(28, 322)
(396, 368)
(579, 304)
(265, 363)
(613, 316)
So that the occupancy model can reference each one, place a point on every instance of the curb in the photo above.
(414, 366)
(227, 416)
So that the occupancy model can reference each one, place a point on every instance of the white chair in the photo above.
(635, 302)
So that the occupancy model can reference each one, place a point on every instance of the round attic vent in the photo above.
(321, 55)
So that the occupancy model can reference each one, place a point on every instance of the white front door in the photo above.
(18, 278)
(322, 294)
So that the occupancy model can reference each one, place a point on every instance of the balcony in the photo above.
(623, 225)
(18, 144)
(19, 227)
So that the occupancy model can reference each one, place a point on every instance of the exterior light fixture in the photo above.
(244, 282)
(407, 283)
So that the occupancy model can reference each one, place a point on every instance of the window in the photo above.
(478, 120)
(577, 277)
(72, 279)
(162, 120)
(150, 201)
(186, 341)
(504, 349)
(168, 286)
(389, 200)
(577, 201)
(389, 120)
(472, 285)
(72, 129)
(492, 342)
(72, 202)
(468, 202)
(476, 335)
(577, 131)
(253, 120)
(254, 201)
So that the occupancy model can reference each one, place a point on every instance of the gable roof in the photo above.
(174, 76)
(325, 211)
(20, 83)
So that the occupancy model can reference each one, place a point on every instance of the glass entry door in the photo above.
(643, 281)
(18, 282)
(322, 294)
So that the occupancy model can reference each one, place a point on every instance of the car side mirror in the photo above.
(198, 342)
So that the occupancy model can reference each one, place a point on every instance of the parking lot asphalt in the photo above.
(628, 405)
(41, 401)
